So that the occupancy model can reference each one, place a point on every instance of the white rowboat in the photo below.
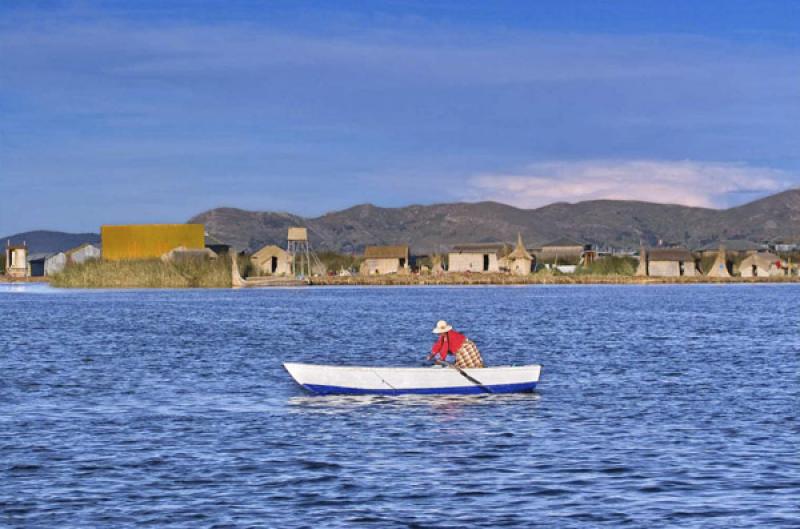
(356, 380)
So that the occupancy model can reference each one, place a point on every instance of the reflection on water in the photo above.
(28, 288)
(347, 403)
(665, 406)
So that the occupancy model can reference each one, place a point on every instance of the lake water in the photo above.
(659, 406)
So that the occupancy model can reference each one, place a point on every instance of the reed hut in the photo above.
(385, 260)
(562, 251)
(273, 260)
(670, 262)
(476, 257)
(763, 264)
(520, 261)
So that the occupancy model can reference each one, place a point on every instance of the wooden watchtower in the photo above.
(299, 249)
(17, 260)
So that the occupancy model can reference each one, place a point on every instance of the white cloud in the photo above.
(691, 183)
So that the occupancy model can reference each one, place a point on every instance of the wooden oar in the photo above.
(463, 374)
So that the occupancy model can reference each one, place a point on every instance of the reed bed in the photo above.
(153, 273)
(610, 266)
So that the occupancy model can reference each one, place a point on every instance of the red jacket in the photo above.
(448, 342)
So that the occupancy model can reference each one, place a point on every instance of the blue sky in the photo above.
(116, 112)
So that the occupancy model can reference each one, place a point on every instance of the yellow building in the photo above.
(149, 241)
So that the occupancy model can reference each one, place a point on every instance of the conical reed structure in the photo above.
(720, 266)
(641, 270)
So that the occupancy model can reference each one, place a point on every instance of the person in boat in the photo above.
(455, 343)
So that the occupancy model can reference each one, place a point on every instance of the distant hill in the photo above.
(618, 223)
(50, 241)
(434, 228)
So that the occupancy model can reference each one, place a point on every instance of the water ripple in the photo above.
(659, 406)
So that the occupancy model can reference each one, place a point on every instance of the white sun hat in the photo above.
(442, 327)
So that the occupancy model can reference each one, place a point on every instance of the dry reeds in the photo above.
(532, 279)
(610, 266)
(199, 273)
(152, 273)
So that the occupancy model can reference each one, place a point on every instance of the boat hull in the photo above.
(352, 380)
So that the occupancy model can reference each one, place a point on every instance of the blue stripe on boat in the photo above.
(525, 387)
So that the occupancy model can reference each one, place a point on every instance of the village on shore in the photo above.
(188, 251)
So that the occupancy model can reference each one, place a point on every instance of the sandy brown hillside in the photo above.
(433, 228)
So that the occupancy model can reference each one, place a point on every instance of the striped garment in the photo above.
(468, 355)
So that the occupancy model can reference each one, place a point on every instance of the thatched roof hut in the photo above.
(762, 264)
(478, 257)
(562, 248)
(272, 259)
(520, 260)
(385, 259)
(670, 262)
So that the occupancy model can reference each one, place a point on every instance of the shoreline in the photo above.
(454, 280)
(536, 279)
(23, 280)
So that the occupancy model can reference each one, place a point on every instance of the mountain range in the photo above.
(43, 241)
(616, 223)
(434, 228)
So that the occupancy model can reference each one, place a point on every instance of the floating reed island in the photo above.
(220, 273)
(185, 256)
(203, 268)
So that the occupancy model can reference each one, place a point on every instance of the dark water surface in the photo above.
(659, 406)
